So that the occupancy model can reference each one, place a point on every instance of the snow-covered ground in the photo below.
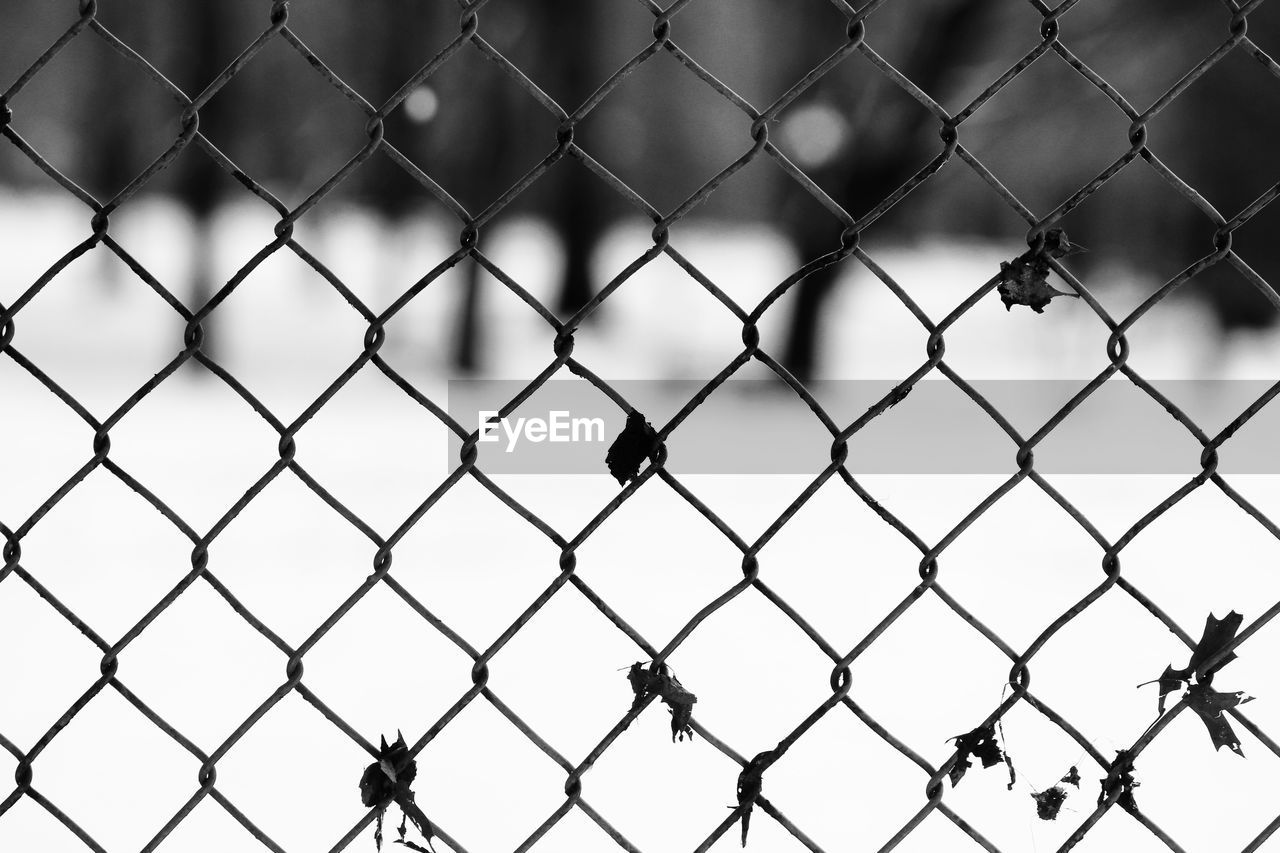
(475, 564)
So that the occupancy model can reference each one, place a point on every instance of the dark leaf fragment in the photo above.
(1170, 681)
(680, 701)
(750, 784)
(413, 846)
(980, 743)
(382, 778)
(1025, 282)
(663, 683)
(410, 808)
(1025, 279)
(1198, 674)
(641, 683)
(1049, 802)
(1072, 776)
(1217, 634)
(637, 441)
(1120, 775)
(1209, 705)
(388, 780)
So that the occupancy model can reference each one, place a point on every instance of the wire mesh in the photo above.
(859, 20)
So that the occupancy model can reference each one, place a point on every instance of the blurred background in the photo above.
(100, 120)
(97, 330)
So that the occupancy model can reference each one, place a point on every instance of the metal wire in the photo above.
(565, 145)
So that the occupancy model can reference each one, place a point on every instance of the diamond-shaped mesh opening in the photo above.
(841, 579)
(60, 339)
(858, 135)
(474, 311)
(1008, 134)
(904, 665)
(287, 538)
(1124, 258)
(200, 644)
(478, 165)
(1206, 529)
(1006, 554)
(746, 265)
(334, 35)
(1236, 89)
(821, 771)
(547, 44)
(1073, 669)
(138, 127)
(189, 47)
(481, 756)
(52, 676)
(787, 669)
(979, 43)
(264, 305)
(588, 677)
(690, 800)
(316, 806)
(52, 445)
(624, 563)
(636, 326)
(661, 115)
(189, 428)
(32, 26)
(731, 41)
(440, 562)
(1227, 786)
(135, 542)
(286, 151)
(378, 480)
(406, 669)
(425, 334)
(740, 420)
(928, 205)
(148, 230)
(102, 795)
(1143, 55)
(377, 258)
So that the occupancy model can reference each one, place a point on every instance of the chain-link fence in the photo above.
(1022, 280)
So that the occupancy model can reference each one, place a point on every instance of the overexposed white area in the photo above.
(292, 560)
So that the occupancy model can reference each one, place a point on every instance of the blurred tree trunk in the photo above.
(200, 181)
(574, 200)
(110, 153)
(883, 157)
(569, 32)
